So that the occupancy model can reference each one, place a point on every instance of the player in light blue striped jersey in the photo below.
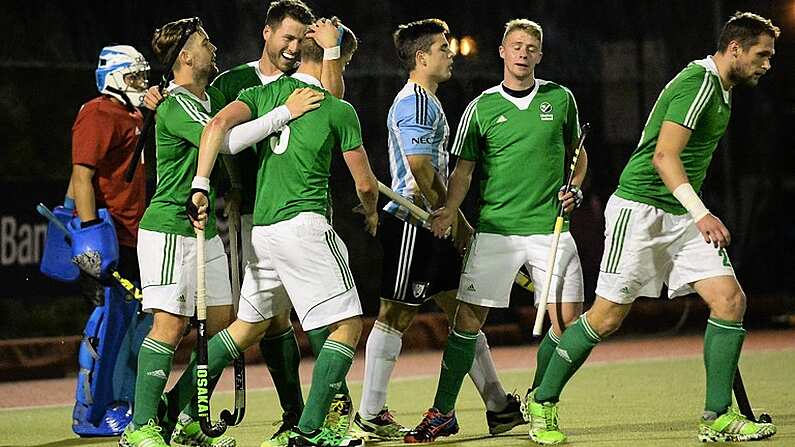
(416, 265)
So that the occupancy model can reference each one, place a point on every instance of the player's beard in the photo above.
(277, 60)
(737, 76)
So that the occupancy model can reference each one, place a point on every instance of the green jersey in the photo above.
(696, 100)
(231, 83)
(181, 118)
(295, 164)
(520, 144)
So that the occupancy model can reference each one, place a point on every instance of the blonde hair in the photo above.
(530, 27)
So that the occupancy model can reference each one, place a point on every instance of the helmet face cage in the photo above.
(114, 63)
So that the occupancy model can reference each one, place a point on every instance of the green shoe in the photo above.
(383, 427)
(732, 426)
(543, 418)
(144, 436)
(338, 419)
(191, 435)
(323, 437)
(278, 440)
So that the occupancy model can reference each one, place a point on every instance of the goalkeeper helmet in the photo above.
(114, 63)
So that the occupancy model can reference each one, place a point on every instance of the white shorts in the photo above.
(493, 260)
(646, 247)
(299, 262)
(168, 272)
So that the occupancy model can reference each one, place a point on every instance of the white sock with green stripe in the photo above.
(154, 366)
(221, 351)
(383, 349)
(331, 367)
(574, 347)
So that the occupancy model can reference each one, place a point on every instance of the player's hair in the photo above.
(745, 29)
(295, 9)
(170, 34)
(311, 51)
(530, 27)
(416, 36)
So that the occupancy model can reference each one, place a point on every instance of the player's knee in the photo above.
(731, 305)
(278, 325)
(168, 328)
(395, 315)
(470, 317)
(347, 331)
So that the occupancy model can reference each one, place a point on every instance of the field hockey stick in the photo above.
(202, 376)
(743, 403)
(131, 292)
(149, 115)
(240, 363)
(521, 279)
(553, 251)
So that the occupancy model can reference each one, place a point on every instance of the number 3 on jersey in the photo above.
(278, 142)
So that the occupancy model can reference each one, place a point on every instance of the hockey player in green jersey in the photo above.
(286, 22)
(166, 244)
(659, 231)
(518, 132)
(300, 261)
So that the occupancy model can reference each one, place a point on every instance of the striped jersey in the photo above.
(695, 99)
(521, 145)
(181, 118)
(416, 125)
(231, 83)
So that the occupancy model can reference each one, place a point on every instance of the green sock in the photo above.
(328, 377)
(282, 356)
(221, 350)
(317, 337)
(544, 354)
(459, 353)
(722, 343)
(154, 366)
(574, 346)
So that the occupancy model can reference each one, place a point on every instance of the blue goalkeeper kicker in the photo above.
(56, 262)
(95, 412)
(99, 239)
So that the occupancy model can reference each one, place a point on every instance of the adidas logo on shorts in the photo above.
(471, 288)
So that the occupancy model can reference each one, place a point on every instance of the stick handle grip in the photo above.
(201, 288)
(542, 302)
(418, 212)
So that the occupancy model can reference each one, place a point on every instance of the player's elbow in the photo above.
(658, 159)
(218, 124)
(366, 185)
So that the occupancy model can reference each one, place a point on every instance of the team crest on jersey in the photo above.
(546, 111)
(419, 289)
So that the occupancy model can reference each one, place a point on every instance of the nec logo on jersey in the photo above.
(421, 140)
(546, 111)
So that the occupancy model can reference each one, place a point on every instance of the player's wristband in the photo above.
(687, 196)
(202, 183)
(330, 54)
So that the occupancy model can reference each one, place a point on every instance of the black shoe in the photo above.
(289, 421)
(508, 418)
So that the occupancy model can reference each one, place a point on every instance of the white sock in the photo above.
(484, 376)
(383, 349)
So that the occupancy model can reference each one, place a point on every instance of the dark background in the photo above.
(614, 55)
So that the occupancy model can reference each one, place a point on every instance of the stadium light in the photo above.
(468, 46)
(454, 45)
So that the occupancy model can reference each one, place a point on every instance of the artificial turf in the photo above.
(634, 403)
